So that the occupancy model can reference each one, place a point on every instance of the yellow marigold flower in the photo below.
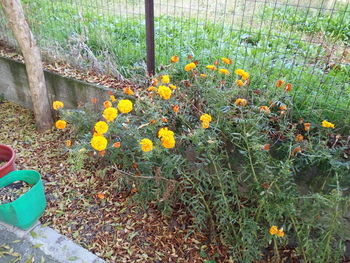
(165, 132)
(146, 145)
(107, 104)
(110, 114)
(125, 106)
(174, 59)
(172, 86)
(68, 143)
(245, 75)
(101, 127)
(152, 88)
(239, 82)
(224, 71)
(264, 109)
(113, 99)
(165, 79)
(57, 105)
(128, 91)
(241, 102)
(205, 124)
(205, 117)
(327, 124)
(307, 126)
(299, 138)
(190, 66)
(239, 72)
(99, 143)
(280, 233)
(211, 67)
(226, 61)
(61, 124)
(168, 142)
(164, 92)
(273, 230)
(203, 75)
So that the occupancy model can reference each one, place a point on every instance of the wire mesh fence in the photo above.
(301, 41)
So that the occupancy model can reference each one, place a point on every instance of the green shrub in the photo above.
(248, 165)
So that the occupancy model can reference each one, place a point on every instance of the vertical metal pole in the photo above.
(149, 8)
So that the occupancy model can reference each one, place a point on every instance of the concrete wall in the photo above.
(14, 86)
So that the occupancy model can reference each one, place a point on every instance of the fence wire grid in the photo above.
(303, 41)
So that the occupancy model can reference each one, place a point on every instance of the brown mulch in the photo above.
(110, 225)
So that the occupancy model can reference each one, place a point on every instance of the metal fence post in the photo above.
(149, 10)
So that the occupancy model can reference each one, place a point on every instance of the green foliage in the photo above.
(229, 180)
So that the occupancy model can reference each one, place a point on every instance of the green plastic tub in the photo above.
(28, 208)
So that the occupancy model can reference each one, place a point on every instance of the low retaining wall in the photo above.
(14, 86)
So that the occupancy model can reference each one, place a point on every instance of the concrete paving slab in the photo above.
(40, 244)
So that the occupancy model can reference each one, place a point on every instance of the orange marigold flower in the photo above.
(109, 93)
(190, 66)
(296, 150)
(239, 83)
(164, 120)
(266, 147)
(128, 91)
(107, 104)
(176, 108)
(154, 82)
(279, 83)
(101, 196)
(211, 67)
(241, 102)
(264, 109)
(288, 87)
(102, 153)
(226, 61)
(224, 71)
(174, 59)
(93, 100)
(61, 124)
(116, 145)
(283, 107)
(152, 88)
(152, 121)
(57, 105)
(299, 138)
(68, 143)
(203, 75)
(307, 126)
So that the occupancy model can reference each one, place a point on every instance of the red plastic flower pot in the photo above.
(8, 156)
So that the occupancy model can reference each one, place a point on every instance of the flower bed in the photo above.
(237, 155)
